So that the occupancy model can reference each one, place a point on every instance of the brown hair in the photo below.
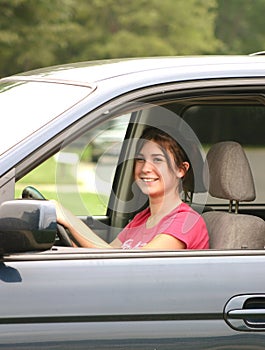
(166, 143)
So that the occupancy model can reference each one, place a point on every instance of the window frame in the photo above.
(123, 104)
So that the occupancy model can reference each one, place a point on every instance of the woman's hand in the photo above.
(61, 217)
(80, 232)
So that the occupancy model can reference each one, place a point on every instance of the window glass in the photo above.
(42, 102)
(80, 175)
(241, 123)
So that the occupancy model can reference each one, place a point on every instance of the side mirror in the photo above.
(27, 225)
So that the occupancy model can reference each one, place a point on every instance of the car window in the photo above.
(241, 122)
(80, 175)
(206, 121)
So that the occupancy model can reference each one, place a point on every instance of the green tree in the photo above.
(124, 28)
(30, 32)
(36, 33)
(240, 26)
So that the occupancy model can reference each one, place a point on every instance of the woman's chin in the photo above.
(151, 192)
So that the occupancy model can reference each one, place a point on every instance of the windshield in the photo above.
(27, 106)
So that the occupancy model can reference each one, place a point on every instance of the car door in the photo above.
(212, 299)
(206, 300)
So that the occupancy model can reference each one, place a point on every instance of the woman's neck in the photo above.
(160, 206)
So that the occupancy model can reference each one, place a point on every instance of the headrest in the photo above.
(230, 176)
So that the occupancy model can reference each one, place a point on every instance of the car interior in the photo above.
(231, 179)
(222, 134)
(227, 188)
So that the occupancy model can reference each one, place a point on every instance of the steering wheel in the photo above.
(31, 192)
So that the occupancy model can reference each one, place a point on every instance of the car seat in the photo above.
(230, 178)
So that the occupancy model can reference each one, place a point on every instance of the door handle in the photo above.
(246, 312)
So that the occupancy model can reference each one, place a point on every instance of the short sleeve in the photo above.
(187, 226)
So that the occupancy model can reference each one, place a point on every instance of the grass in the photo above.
(79, 204)
(45, 173)
(71, 196)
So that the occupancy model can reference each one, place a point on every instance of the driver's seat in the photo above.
(230, 178)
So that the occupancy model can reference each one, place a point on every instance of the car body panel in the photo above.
(97, 71)
(151, 307)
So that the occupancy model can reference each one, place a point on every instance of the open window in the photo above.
(92, 174)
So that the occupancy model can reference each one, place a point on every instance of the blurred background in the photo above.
(37, 33)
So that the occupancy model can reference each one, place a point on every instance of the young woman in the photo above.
(168, 223)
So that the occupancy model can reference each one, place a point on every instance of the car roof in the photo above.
(94, 83)
(93, 72)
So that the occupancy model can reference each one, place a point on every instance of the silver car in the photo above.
(57, 296)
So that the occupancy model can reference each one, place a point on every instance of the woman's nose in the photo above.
(147, 166)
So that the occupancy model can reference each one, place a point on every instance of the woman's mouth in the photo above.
(149, 179)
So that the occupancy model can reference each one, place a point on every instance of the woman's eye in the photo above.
(157, 160)
(139, 160)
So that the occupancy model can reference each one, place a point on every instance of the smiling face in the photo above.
(155, 171)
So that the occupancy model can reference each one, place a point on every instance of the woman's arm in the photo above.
(88, 239)
(160, 242)
(164, 241)
(116, 243)
(79, 231)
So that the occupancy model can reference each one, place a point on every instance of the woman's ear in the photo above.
(182, 171)
(186, 166)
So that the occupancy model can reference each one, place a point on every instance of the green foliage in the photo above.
(240, 26)
(147, 28)
(30, 32)
(37, 33)
(46, 32)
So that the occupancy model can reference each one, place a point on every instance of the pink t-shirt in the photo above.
(182, 223)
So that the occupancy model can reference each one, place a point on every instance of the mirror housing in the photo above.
(27, 225)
